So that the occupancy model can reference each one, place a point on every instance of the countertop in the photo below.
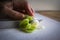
(51, 14)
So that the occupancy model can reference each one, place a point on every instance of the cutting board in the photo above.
(50, 32)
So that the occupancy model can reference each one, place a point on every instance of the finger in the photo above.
(32, 10)
(29, 10)
(14, 14)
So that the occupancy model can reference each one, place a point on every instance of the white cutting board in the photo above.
(51, 31)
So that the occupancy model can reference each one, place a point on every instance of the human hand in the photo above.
(23, 6)
(20, 8)
(7, 12)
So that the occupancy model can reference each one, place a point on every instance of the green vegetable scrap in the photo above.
(29, 17)
(26, 26)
